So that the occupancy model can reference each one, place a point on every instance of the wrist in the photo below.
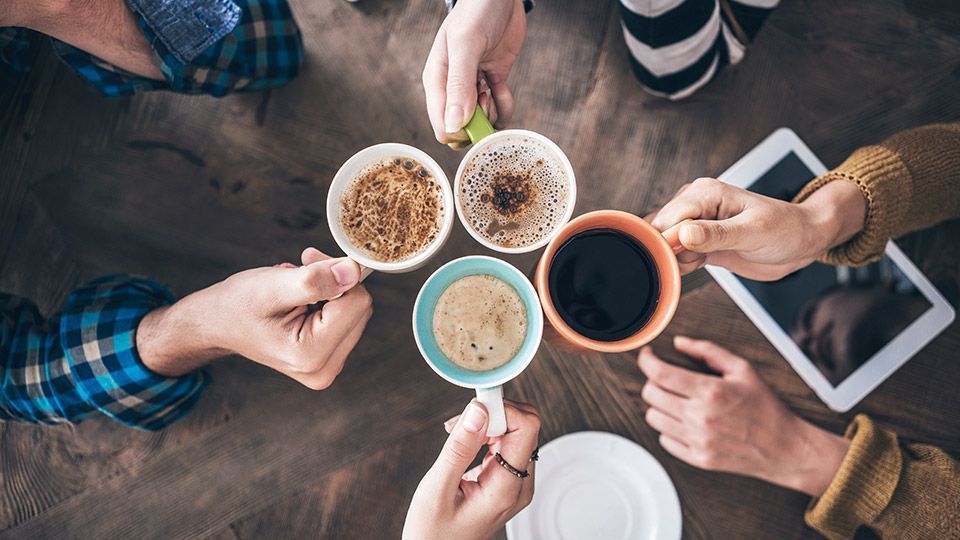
(816, 459)
(173, 341)
(835, 213)
(33, 14)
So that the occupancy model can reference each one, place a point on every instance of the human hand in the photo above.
(733, 422)
(478, 35)
(267, 315)
(107, 29)
(452, 502)
(755, 236)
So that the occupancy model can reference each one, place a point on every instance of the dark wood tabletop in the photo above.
(188, 190)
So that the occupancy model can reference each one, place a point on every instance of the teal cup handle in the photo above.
(488, 384)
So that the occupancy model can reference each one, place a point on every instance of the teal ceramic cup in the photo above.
(488, 384)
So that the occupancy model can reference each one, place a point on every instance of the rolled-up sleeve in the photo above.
(84, 361)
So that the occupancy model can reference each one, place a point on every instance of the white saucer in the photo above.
(601, 486)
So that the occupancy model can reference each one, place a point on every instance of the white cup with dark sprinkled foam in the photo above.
(514, 190)
(340, 216)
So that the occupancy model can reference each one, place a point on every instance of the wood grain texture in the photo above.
(188, 189)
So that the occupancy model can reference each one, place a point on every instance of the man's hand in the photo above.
(733, 422)
(267, 315)
(755, 236)
(452, 502)
(478, 35)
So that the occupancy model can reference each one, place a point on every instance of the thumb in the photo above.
(463, 63)
(707, 236)
(317, 281)
(465, 440)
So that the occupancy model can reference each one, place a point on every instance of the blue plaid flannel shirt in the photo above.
(210, 47)
(84, 361)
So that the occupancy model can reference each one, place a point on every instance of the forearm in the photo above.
(836, 213)
(815, 460)
(899, 492)
(106, 29)
(174, 340)
(85, 360)
(910, 181)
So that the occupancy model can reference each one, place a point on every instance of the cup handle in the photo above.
(479, 126)
(364, 274)
(672, 236)
(492, 399)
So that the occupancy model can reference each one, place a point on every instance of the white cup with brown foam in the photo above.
(390, 208)
(515, 189)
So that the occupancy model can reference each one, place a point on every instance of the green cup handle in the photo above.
(479, 126)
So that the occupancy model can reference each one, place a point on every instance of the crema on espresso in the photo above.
(514, 192)
(392, 210)
(480, 322)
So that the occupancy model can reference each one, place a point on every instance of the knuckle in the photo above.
(705, 182)
(654, 371)
(532, 422)
(714, 394)
(459, 452)
(650, 417)
(320, 382)
(707, 460)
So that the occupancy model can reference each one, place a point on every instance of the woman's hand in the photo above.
(477, 36)
(733, 422)
(755, 236)
(268, 315)
(452, 502)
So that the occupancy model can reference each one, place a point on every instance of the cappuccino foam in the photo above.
(392, 210)
(480, 322)
(514, 192)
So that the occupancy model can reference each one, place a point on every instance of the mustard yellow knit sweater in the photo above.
(911, 181)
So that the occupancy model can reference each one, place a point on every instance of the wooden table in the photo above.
(191, 189)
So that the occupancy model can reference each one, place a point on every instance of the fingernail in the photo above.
(344, 272)
(453, 119)
(694, 234)
(681, 340)
(474, 418)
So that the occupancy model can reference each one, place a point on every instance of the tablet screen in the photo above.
(839, 316)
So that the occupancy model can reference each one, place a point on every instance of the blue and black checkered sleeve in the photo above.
(85, 361)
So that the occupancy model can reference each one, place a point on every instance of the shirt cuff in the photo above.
(869, 168)
(864, 484)
(98, 335)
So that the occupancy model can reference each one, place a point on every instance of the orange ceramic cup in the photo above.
(662, 248)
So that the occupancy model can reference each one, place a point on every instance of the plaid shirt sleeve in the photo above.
(84, 361)
(263, 50)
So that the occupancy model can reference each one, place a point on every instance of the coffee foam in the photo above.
(514, 192)
(480, 322)
(392, 210)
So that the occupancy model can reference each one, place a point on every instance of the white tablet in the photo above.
(843, 329)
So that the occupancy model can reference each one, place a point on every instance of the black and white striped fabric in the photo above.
(677, 46)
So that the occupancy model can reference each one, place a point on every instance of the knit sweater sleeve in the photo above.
(911, 181)
(899, 491)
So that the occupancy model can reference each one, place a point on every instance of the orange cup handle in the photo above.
(672, 236)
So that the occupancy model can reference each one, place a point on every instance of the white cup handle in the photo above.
(364, 274)
(492, 399)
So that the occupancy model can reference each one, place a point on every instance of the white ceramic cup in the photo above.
(350, 170)
(480, 146)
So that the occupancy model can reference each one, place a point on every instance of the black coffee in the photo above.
(604, 284)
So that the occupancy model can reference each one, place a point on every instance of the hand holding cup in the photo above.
(453, 502)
